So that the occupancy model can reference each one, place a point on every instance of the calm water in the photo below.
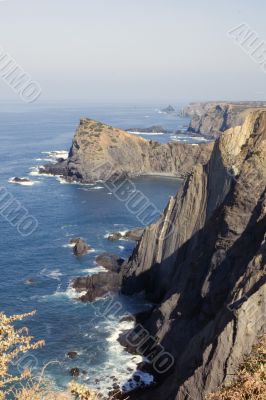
(64, 211)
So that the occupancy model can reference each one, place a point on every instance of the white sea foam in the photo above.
(55, 274)
(69, 245)
(145, 377)
(64, 181)
(94, 270)
(122, 233)
(187, 139)
(35, 171)
(96, 188)
(71, 293)
(56, 154)
(119, 360)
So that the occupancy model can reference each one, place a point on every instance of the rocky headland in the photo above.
(101, 152)
(213, 118)
(203, 264)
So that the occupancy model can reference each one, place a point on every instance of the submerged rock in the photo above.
(29, 281)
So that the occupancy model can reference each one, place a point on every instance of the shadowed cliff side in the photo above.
(204, 262)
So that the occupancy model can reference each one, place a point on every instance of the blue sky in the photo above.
(141, 50)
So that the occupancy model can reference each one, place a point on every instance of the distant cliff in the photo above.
(101, 152)
(204, 264)
(213, 118)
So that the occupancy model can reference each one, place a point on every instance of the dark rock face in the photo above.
(81, 248)
(204, 264)
(214, 118)
(110, 261)
(97, 285)
(208, 275)
(133, 234)
(101, 152)
(60, 168)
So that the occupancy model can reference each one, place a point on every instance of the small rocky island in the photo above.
(168, 110)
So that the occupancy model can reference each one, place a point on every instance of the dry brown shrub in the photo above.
(250, 380)
(24, 386)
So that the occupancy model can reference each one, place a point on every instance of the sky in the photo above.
(133, 51)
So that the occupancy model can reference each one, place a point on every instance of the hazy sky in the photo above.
(137, 50)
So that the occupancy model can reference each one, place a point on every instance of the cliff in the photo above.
(213, 118)
(203, 263)
(101, 152)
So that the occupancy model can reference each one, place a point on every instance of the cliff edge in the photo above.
(204, 264)
(213, 118)
(101, 152)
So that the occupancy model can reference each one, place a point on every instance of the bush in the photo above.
(14, 343)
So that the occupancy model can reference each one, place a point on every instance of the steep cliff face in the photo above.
(101, 152)
(204, 263)
(215, 117)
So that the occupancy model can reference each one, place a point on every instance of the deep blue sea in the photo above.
(64, 211)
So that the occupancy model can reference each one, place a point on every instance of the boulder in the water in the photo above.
(72, 354)
(81, 248)
(21, 181)
(75, 372)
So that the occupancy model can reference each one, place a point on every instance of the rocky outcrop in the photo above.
(109, 261)
(80, 247)
(215, 117)
(101, 152)
(97, 285)
(134, 235)
(204, 263)
(168, 110)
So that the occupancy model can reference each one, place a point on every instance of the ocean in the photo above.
(37, 270)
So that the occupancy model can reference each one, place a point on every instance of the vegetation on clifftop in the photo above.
(250, 380)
